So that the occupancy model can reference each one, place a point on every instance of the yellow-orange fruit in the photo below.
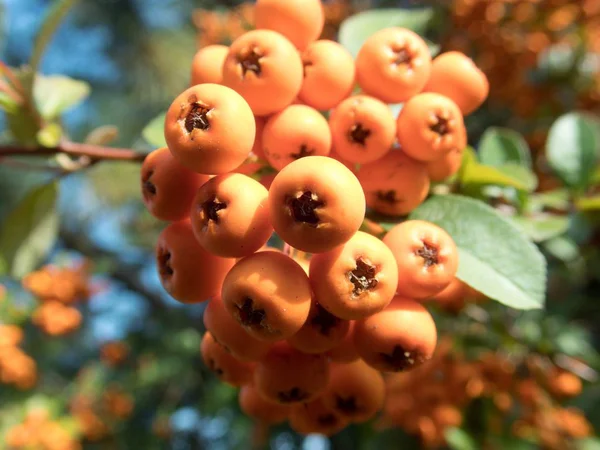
(316, 418)
(399, 338)
(356, 391)
(456, 76)
(254, 405)
(356, 279)
(230, 334)
(207, 65)
(426, 255)
(187, 272)
(288, 376)
(210, 129)
(257, 148)
(363, 129)
(395, 184)
(453, 297)
(316, 204)
(447, 415)
(564, 384)
(294, 133)
(345, 351)
(168, 187)
(446, 166)
(393, 65)
(329, 74)
(321, 332)
(264, 68)
(227, 368)
(230, 215)
(269, 294)
(301, 21)
(430, 126)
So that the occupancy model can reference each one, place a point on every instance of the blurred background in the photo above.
(98, 354)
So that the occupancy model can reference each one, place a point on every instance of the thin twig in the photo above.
(94, 152)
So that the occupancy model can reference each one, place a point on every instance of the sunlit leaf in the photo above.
(154, 132)
(56, 94)
(499, 146)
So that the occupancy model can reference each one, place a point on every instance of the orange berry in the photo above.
(456, 76)
(426, 255)
(430, 126)
(316, 204)
(301, 21)
(393, 65)
(207, 65)
(288, 376)
(10, 335)
(254, 405)
(446, 166)
(210, 129)
(294, 133)
(395, 184)
(564, 384)
(230, 215)
(329, 74)
(356, 279)
(269, 294)
(345, 351)
(265, 69)
(401, 337)
(168, 187)
(356, 391)
(315, 417)
(363, 129)
(223, 364)
(187, 272)
(230, 334)
(453, 297)
(257, 148)
(447, 415)
(321, 332)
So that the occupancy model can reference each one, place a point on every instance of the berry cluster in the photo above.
(307, 332)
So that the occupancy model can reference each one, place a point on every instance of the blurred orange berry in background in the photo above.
(56, 319)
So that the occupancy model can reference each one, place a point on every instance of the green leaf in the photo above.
(592, 443)
(502, 145)
(57, 12)
(562, 248)
(15, 184)
(588, 204)
(29, 231)
(355, 30)
(56, 94)
(22, 128)
(495, 257)
(542, 227)
(154, 132)
(102, 135)
(475, 175)
(572, 148)
(459, 439)
(521, 173)
(555, 199)
(50, 135)
(8, 104)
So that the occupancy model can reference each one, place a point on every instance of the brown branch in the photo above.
(93, 152)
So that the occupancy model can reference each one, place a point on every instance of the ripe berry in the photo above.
(257, 148)
(401, 337)
(395, 184)
(321, 332)
(210, 129)
(456, 76)
(296, 132)
(446, 166)
(426, 255)
(168, 187)
(329, 73)
(230, 215)
(453, 297)
(255, 406)
(207, 65)
(287, 376)
(363, 129)
(230, 334)
(356, 279)
(269, 294)
(265, 69)
(316, 417)
(301, 21)
(430, 126)
(345, 351)
(316, 204)
(187, 272)
(356, 391)
(393, 65)
(223, 364)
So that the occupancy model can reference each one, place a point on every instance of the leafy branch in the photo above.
(90, 151)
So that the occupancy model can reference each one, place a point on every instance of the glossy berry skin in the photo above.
(315, 417)
(227, 368)
(255, 406)
(207, 65)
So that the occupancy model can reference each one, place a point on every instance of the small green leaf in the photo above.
(495, 257)
(355, 30)
(521, 173)
(588, 204)
(502, 145)
(15, 184)
(592, 443)
(562, 248)
(102, 135)
(56, 94)
(459, 439)
(572, 148)
(57, 12)
(475, 175)
(29, 231)
(50, 135)
(154, 132)
(22, 128)
(542, 227)
(8, 104)
(556, 199)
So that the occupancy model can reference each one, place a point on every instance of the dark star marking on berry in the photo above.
(304, 151)
(327, 420)
(358, 134)
(401, 56)
(387, 196)
(441, 126)
(363, 277)
(148, 186)
(429, 253)
(212, 365)
(249, 316)
(400, 359)
(197, 118)
(211, 209)
(250, 62)
(303, 208)
(164, 263)
(324, 321)
(294, 395)
(347, 405)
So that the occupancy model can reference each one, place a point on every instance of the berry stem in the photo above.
(93, 152)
